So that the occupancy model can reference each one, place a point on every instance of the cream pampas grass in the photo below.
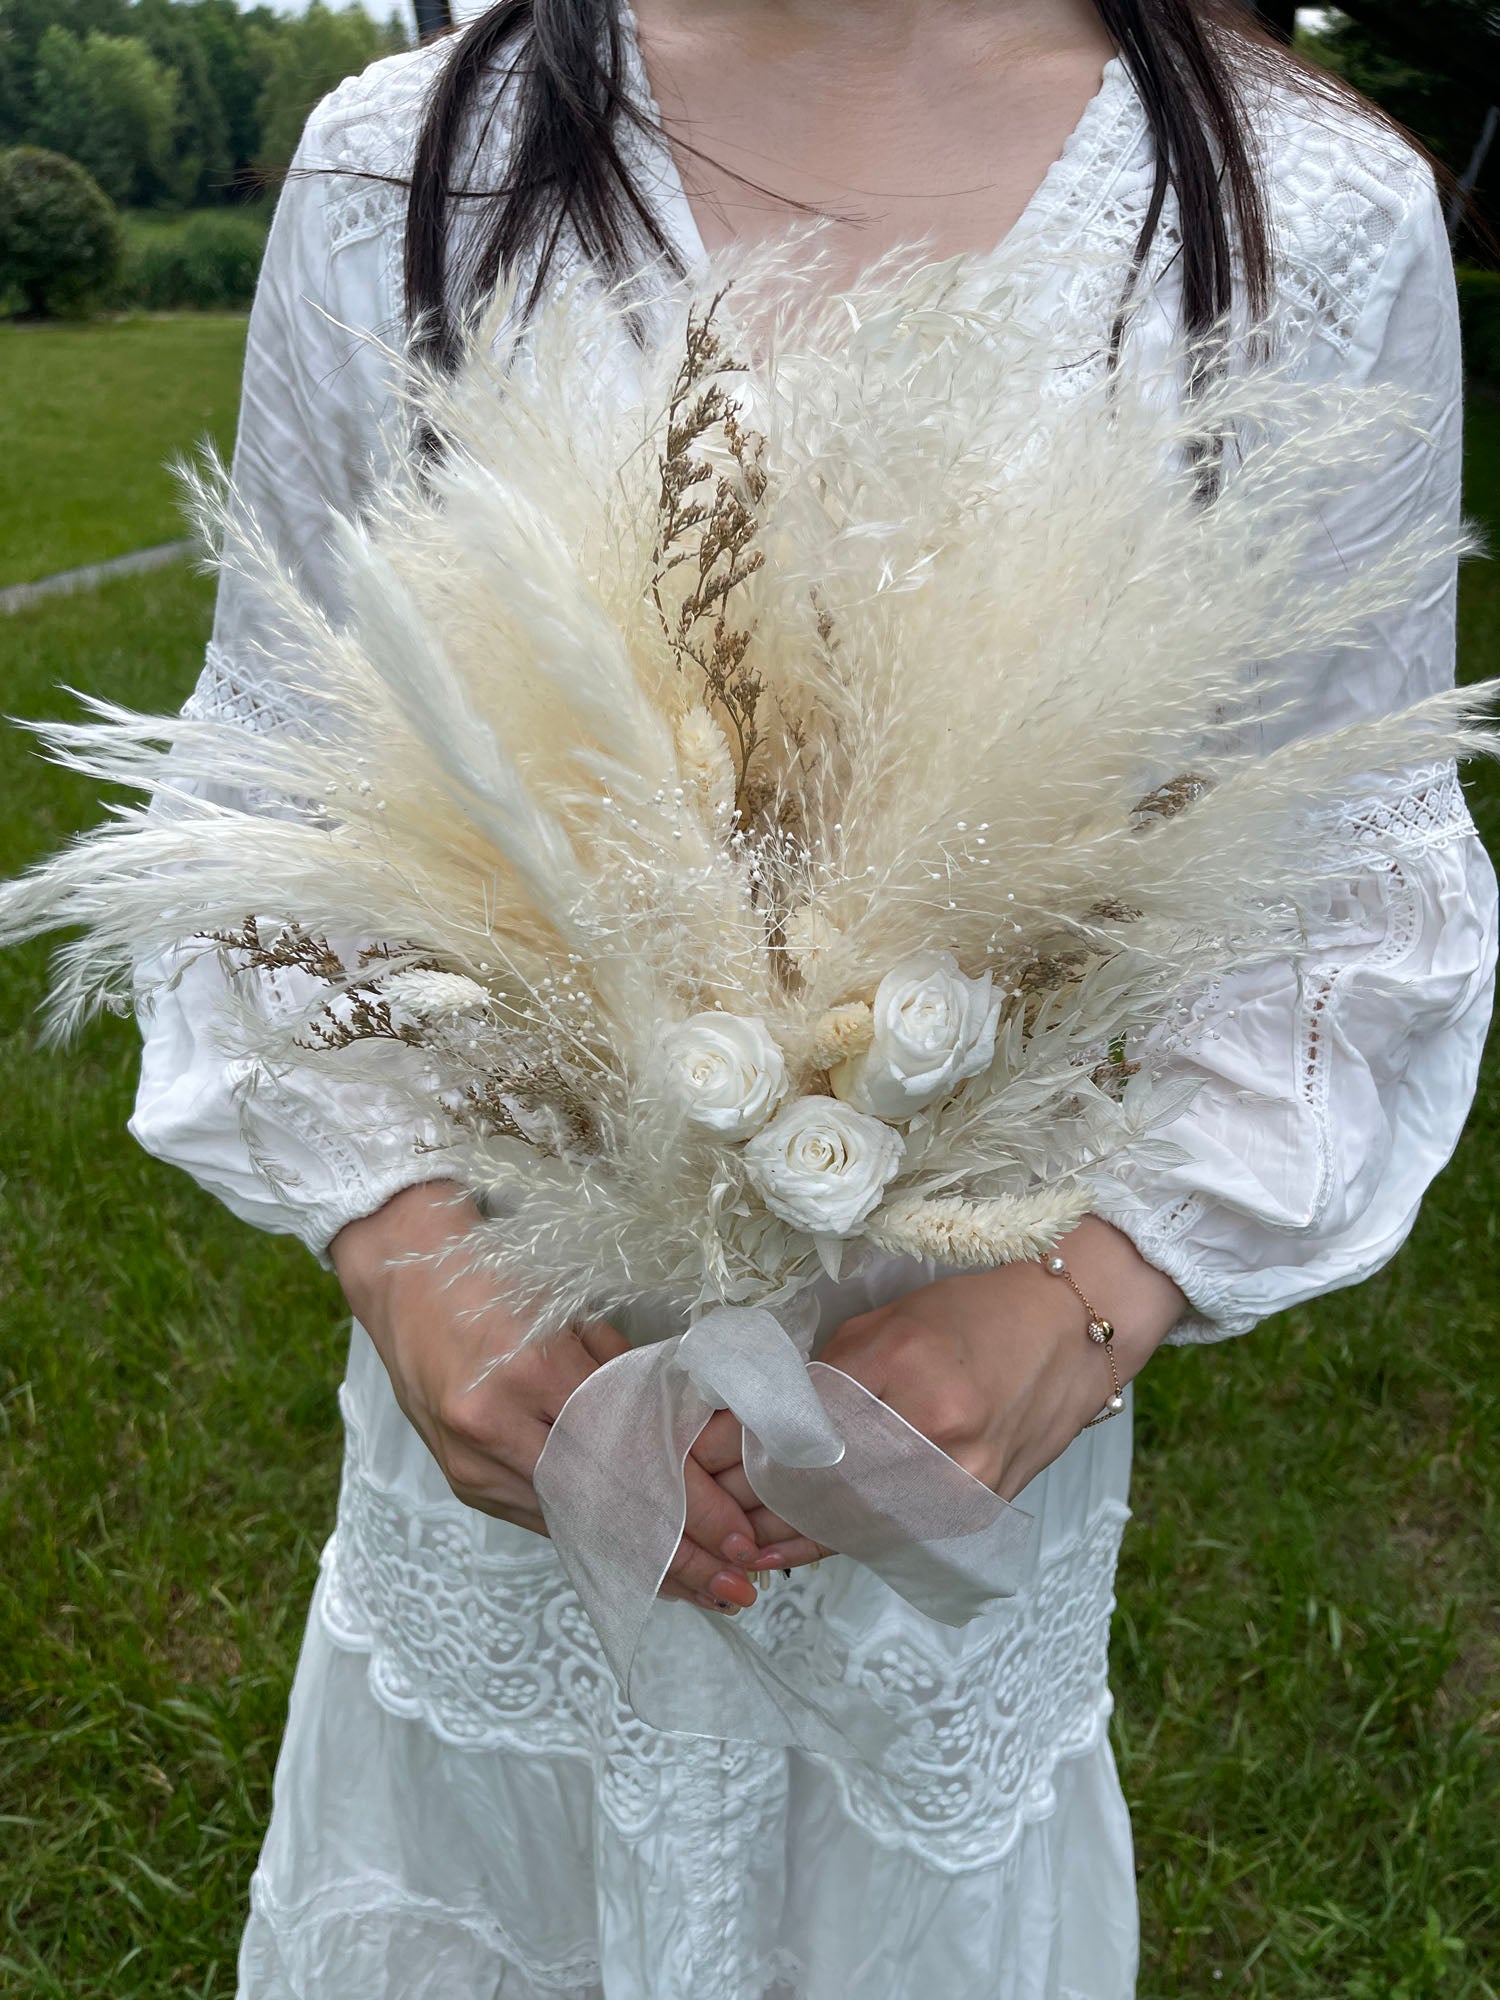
(836, 638)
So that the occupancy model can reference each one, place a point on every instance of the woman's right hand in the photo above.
(482, 1397)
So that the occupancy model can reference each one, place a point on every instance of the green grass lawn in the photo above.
(1307, 1655)
(167, 1436)
(1307, 1646)
(89, 416)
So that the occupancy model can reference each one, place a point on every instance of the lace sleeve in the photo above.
(1332, 1091)
(288, 1151)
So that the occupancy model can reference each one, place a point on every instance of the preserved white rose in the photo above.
(823, 1166)
(726, 1069)
(933, 1028)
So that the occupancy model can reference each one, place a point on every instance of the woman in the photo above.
(464, 1806)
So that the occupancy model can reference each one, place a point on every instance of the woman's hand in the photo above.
(481, 1398)
(996, 1367)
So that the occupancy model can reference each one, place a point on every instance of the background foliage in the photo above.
(176, 102)
(204, 261)
(106, 102)
(60, 237)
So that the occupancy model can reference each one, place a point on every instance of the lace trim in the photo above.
(1165, 1240)
(986, 1730)
(1376, 917)
(364, 129)
(1427, 810)
(1340, 187)
(238, 691)
(1343, 185)
(492, 1651)
(282, 1934)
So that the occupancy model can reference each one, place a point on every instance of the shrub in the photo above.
(60, 234)
(1479, 310)
(209, 264)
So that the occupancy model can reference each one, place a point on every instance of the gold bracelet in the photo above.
(1101, 1332)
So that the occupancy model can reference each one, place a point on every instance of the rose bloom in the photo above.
(727, 1071)
(822, 1166)
(934, 1027)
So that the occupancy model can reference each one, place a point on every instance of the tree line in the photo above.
(175, 103)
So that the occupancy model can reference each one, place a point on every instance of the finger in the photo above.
(793, 1554)
(720, 1443)
(675, 1591)
(736, 1483)
(697, 1570)
(600, 1340)
(770, 1531)
(711, 1603)
(715, 1520)
(529, 1518)
(567, 1363)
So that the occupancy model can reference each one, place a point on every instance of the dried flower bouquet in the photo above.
(776, 795)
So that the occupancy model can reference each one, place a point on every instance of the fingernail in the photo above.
(733, 1587)
(739, 1549)
(714, 1603)
(769, 1559)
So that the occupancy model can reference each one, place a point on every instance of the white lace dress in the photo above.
(464, 1809)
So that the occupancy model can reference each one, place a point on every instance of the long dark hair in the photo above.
(569, 165)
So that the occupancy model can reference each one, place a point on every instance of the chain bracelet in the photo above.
(1101, 1332)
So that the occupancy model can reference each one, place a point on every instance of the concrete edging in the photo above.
(17, 596)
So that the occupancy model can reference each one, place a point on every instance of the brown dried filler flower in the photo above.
(717, 536)
(1175, 796)
(497, 1104)
(494, 1101)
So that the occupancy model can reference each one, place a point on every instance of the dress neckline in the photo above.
(1097, 132)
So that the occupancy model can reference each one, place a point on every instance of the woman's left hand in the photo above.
(995, 1367)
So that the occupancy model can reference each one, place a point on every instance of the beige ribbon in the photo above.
(819, 1450)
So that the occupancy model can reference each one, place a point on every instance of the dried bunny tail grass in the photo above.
(707, 767)
(839, 1034)
(975, 1234)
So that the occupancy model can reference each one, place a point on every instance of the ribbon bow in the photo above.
(819, 1450)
